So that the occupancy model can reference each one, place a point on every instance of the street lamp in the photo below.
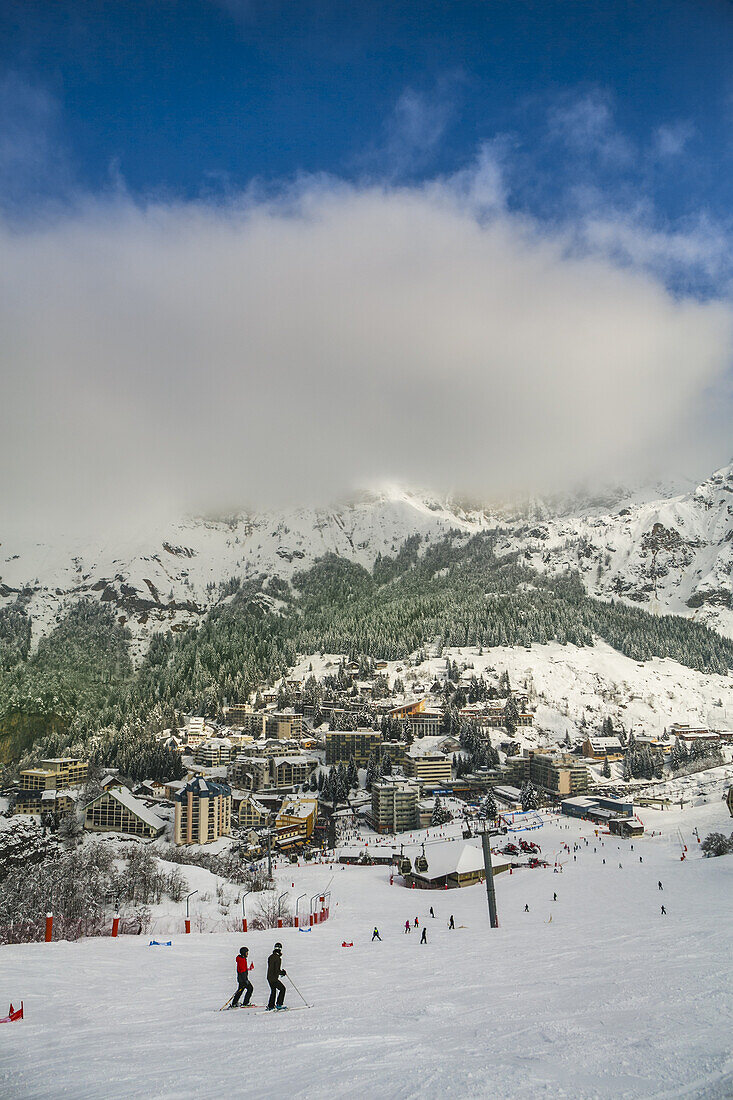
(188, 922)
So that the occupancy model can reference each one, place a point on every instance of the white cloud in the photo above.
(190, 356)
(586, 126)
(415, 129)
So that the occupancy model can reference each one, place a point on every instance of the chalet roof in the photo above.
(127, 799)
(605, 744)
(452, 859)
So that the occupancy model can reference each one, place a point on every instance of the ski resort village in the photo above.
(366, 550)
(483, 872)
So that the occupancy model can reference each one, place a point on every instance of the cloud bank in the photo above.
(182, 356)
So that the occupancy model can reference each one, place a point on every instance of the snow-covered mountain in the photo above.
(667, 553)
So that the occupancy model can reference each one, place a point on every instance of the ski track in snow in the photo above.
(608, 1000)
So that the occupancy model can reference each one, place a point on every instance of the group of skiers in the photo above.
(409, 926)
(274, 973)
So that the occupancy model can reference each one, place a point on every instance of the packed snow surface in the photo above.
(595, 995)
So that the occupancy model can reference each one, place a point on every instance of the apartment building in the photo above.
(290, 771)
(284, 725)
(598, 748)
(203, 812)
(55, 774)
(300, 812)
(214, 752)
(395, 805)
(342, 745)
(425, 723)
(251, 773)
(252, 814)
(50, 801)
(118, 811)
(432, 769)
(558, 772)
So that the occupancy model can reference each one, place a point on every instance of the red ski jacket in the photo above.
(242, 964)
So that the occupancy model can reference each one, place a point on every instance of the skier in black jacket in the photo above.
(274, 970)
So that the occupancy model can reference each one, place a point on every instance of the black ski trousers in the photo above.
(276, 989)
(244, 983)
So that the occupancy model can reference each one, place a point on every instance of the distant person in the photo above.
(659, 884)
(243, 982)
(416, 922)
(407, 927)
(526, 909)
(451, 922)
(424, 937)
(432, 914)
(554, 897)
(375, 935)
(274, 972)
(664, 912)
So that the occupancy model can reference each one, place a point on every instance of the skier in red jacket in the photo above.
(243, 982)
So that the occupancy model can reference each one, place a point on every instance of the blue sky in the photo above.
(548, 142)
(194, 98)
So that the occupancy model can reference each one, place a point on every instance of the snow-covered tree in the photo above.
(529, 797)
(441, 815)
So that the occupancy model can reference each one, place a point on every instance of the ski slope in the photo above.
(609, 999)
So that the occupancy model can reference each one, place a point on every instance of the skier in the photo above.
(424, 937)
(243, 982)
(432, 914)
(416, 922)
(274, 970)
(659, 884)
(407, 927)
(641, 859)
(451, 922)
(554, 897)
(664, 912)
(375, 935)
(526, 909)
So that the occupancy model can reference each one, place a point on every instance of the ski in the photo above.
(227, 1006)
(296, 1008)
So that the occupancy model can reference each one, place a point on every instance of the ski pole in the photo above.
(298, 991)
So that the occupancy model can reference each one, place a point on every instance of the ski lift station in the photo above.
(451, 865)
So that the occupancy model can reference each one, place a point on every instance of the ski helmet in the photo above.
(278, 947)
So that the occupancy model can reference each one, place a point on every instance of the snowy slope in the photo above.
(609, 1000)
(669, 554)
(566, 683)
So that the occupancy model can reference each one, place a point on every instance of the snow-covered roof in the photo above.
(299, 807)
(452, 859)
(204, 788)
(127, 799)
(66, 792)
(605, 744)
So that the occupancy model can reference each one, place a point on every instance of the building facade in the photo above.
(55, 774)
(342, 745)
(431, 769)
(203, 812)
(118, 811)
(395, 805)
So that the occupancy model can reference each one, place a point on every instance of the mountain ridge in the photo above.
(668, 554)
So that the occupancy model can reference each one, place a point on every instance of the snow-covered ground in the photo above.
(566, 683)
(608, 998)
